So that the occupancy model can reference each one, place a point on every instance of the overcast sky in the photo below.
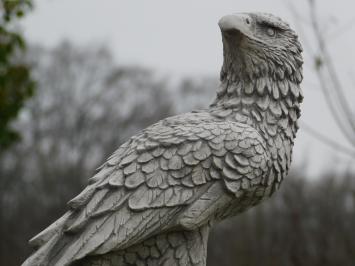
(182, 38)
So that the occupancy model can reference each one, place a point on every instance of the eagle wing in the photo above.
(174, 173)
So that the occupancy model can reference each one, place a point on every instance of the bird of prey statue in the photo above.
(154, 201)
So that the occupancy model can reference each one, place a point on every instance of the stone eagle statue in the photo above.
(156, 198)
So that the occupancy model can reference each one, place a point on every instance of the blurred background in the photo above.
(77, 78)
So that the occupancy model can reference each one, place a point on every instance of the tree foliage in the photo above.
(16, 84)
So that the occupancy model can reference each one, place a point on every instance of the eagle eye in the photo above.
(271, 32)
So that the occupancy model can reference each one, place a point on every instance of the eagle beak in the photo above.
(236, 25)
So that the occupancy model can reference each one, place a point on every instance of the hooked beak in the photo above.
(236, 25)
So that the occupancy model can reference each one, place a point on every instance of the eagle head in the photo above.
(256, 45)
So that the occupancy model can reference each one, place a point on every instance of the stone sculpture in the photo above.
(155, 199)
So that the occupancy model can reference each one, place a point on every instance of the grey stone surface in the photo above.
(155, 199)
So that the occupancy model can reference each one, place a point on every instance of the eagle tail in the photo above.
(44, 241)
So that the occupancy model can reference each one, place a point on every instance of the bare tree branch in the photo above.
(327, 64)
(328, 141)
